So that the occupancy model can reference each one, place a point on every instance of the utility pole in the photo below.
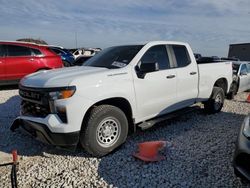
(76, 38)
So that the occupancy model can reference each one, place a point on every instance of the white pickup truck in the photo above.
(118, 89)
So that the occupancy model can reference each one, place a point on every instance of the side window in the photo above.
(1, 51)
(14, 50)
(181, 55)
(157, 54)
(243, 69)
(36, 52)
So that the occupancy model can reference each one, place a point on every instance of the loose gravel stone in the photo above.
(199, 153)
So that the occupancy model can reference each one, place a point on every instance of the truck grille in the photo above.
(34, 109)
(34, 102)
(32, 95)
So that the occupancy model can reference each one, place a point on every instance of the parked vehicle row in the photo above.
(84, 52)
(67, 58)
(117, 90)
(18, 59)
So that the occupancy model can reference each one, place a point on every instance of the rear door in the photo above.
(2, 63)
(187, 76)
(19, 62)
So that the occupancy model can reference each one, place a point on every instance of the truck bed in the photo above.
(208, 73)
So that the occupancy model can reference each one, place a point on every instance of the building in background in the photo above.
(240, 51)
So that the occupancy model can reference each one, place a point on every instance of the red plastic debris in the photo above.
(248, 98)
(148, 151)
(14, 156)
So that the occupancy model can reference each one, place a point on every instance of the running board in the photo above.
(147, 124)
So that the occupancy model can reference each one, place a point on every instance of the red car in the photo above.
(18, 59)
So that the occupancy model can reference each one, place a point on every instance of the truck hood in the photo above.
(58, 77)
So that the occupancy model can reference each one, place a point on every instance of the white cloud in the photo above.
(209, 25)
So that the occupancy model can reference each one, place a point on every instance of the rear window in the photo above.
(14, 50)
(181, 55)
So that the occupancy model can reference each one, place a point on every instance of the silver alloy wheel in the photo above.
(108, 132)
(217, 101)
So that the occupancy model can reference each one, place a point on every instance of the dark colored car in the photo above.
(242, 151)
(197, 56)
(18, 59)
(81, 60)
(230, 59)
(67, 57)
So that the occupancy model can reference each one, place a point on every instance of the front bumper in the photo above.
(42, 132)
(242, 156)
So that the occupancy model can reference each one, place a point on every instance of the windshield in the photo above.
(114, 57)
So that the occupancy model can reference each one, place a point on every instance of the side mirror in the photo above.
(149, 67)
(146, 68)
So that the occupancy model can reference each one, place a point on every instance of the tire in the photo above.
(105, 129)
(215, 102)
(233, 91)
(66, 64)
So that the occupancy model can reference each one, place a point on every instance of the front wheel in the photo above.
(105, 129)
(216, 101)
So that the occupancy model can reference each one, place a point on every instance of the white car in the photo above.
(241, 78)
(120, 88)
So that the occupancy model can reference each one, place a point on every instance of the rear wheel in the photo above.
(105, 129)
(216, 101)
(233, 91)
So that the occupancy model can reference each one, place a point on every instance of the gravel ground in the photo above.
(200, 153)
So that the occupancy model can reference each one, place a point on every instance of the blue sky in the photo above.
(209, 26)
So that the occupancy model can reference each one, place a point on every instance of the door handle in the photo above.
(170, 76)
(31, 59)
(193, 73)
(1, 62)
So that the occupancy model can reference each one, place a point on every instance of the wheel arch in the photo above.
(222, 83)
(119, 102)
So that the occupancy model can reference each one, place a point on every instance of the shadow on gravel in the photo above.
(201, 154)
(9, 87)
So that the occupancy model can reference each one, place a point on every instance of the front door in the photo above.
(2, 63)
(156, 91)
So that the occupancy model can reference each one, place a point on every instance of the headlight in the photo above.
(246, 128)
(62, 93)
